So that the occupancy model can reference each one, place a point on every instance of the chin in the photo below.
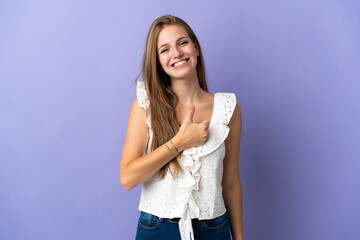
(181, 75)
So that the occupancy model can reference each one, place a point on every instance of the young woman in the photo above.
(191, 188)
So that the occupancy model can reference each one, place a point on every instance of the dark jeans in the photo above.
(151, 227)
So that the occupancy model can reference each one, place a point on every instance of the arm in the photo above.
(136, 168)
(232, 192)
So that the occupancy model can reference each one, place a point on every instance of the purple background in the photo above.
(66, 72)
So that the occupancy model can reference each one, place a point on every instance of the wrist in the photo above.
(178, 143)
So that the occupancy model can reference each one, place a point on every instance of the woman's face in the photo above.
(177, 53)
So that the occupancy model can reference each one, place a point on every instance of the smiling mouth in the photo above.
(180, 62)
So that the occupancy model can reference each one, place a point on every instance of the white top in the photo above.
(197, 193)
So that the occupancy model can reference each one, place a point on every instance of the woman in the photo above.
(191, 189)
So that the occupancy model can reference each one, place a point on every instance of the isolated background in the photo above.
(66, 87)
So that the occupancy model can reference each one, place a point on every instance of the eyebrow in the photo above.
(167, 43)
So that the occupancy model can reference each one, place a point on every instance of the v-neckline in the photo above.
(210, 125)
(213, 111)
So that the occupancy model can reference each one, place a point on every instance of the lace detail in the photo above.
(224, 105)
(143, 100)
(197, 192)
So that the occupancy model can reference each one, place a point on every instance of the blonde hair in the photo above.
(162, 99)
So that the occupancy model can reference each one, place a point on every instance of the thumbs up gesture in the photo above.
(193, 134)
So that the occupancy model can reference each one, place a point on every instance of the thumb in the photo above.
(190, 115)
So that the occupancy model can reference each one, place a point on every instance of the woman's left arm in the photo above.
(232, 192)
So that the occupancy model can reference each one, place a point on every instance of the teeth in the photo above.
(179, 63)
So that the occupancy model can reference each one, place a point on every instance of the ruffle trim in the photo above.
(224, 105)
(143, 100)
(223, 110)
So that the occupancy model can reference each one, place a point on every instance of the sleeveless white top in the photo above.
(197, 193)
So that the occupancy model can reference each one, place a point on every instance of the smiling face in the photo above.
(177, 52)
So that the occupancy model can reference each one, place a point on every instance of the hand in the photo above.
(193, 134)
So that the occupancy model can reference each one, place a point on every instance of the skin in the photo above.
(232, 192)
(174, 45)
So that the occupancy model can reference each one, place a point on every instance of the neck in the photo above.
(187, 90)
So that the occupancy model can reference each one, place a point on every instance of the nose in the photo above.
(177, 52)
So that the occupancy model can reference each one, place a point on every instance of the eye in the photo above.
(164, 50)
(183, 42)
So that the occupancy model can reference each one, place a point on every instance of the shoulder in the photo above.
(226, 98)
(137, 109)
(227, 95)
(226, 104)
(236, 120)
(136, 102)
(231, 108)
(142, 96)
(137, 123)
(237, 112)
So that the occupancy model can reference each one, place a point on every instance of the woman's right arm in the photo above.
(136, 168)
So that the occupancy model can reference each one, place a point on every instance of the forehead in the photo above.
(171, 33)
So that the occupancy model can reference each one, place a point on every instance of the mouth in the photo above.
(180, 63)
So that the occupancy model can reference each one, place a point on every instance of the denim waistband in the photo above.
(173, 220)
(176, 220)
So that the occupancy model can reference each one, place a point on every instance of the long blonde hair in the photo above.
(162, 99)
